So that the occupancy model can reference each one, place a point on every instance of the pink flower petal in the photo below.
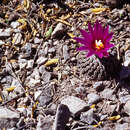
(89, 53)
(82, 48)
(109, 37)
(100, 55)
(109, 46)
(105, 54)
(84, 33)
(81, 40)
(90, 28)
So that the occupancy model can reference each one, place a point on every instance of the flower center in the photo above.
(98, 45)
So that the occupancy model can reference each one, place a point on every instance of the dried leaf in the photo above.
(113, 118)
(98, 10)
(63, 21)
(34, 32)
(10, 89)
(49, 32)
(50, 62)
(21, 21)
(22, 27)
(66, 17)
(1, 99)
(26, 3)
(72, 36)
(97, 124)
(34, 107)
(92, 106)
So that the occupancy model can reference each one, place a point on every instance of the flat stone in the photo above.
(5, 33)
(93, 98)
(14, 24)
(37, 94)
(75, 105)
(44, 100)
(8, 118)
(30, 64)
(127, 107)
(41, 60)
(87, 117)
(107, 94)
(124, 99)
(44, 123)
(46, 76)
(124, 126)
(8, 114)
(1, 42)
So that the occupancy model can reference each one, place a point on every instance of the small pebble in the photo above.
(93, 98)
(87, 117)
(15, 24)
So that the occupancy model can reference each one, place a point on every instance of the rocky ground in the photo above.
(41, 86)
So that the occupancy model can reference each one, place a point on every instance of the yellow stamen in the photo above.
(98, 45)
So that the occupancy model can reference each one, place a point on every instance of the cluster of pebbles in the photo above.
(46, 84)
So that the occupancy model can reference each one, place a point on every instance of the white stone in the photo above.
(15, 24)
(75, 105)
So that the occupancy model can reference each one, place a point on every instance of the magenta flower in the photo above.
(97, 41)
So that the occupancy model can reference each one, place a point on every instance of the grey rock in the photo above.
(22, 63)
(93, 98)
(99, 86)
(44, 123)
(62, 117)
(44, 100)
(103, 117)
(30, 64)
(41, 60)
(37, 40)
(42, 69)
(107, 94)
(27, 49)
(87, 117)
(127, 107)
(80, 90)
(8, 118)
(65, 52)
(14, 24)
(58, 27)
(56, 42)
(5, 33)
(17, 38)
(1, 42)
(22, 110)
(46, 76)
(18, 86)
(52, 50)
(37, 94)
(124, 99)
(75, 105)
(124, 126)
